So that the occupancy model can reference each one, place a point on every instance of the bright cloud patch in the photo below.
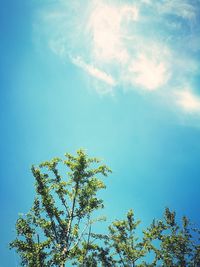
(115, 43)
(188, 101)
(147, 73)
(105, 27)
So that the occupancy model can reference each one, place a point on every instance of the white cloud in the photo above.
(187, 100)
(95, 72)
(105, 28)
(148, 73)
(115, 43)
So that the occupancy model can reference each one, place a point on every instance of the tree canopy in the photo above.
(58, 230)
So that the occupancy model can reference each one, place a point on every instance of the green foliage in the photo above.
(58, 229)
(123, 240)
(178, 244)
(54, 230)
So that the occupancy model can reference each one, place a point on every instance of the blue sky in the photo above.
(118, 78)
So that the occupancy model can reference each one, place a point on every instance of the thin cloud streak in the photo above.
(93, 71)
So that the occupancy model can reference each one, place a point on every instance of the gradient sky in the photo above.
(118, 78)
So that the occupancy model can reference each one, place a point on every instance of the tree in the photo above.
(54, 230)
(177, 245)
(58, 229)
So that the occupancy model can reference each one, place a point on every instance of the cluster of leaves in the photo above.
(54, 230)
(58, 230)
(176, 245)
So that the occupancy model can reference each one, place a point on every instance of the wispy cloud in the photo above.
(95, 72)
(146, 45)
(115, 43)
(180, 8)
